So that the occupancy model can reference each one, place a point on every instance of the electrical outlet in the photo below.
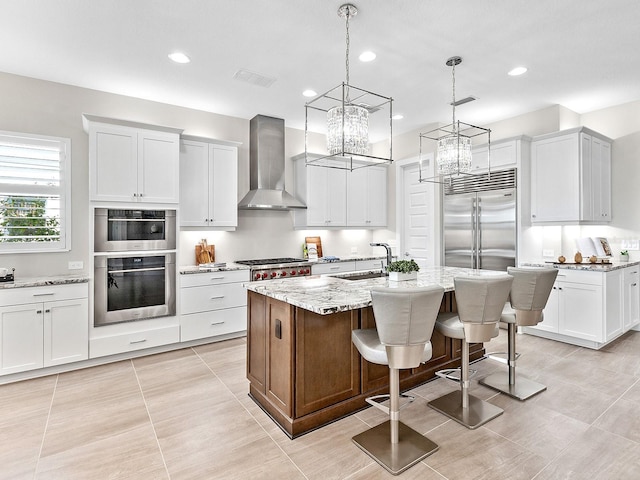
(547, 253)
(634, 244)
(354, 250)
(77, 265)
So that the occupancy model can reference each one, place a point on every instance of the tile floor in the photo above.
(186, 415)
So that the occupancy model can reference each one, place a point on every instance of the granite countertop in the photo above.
(190, 269)
(352, 258)
(586, 266)
(325, 294)
(45, 281)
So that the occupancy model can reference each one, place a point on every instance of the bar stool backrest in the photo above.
(480, 300)
(405, 318)
(530, 292)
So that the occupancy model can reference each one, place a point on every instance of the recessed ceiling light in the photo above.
(517, 71)
(179, 57)
(367, 56)
(397, 117)
(309, 93)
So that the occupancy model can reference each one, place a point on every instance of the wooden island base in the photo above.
(305, 372)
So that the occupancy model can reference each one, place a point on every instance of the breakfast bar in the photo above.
(303, 369)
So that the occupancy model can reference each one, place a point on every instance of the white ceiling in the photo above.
(580, 53)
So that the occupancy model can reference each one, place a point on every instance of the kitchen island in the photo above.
(303, 369)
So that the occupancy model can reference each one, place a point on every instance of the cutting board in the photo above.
(205, 256)
(318, 243)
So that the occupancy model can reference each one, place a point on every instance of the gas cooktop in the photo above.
(270, 261)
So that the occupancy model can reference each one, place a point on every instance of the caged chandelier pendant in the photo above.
(453, 153)
(347, 112)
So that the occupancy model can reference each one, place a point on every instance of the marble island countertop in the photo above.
(326, 294)
(591, 267)
(45, 281)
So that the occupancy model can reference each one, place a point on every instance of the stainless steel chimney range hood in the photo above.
(266, 167)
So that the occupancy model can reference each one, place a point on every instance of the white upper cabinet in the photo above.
(504, 154)
(367, 197)
(571, 177)
(324, 191)
(340, 198)
(208, 183)
(132, 162)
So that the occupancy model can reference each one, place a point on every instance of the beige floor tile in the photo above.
(540, 430)
(622, 419)
(633, 394)
(133, 454)
(480, 454)
(596, 454)
(329, 453)
(419, 471)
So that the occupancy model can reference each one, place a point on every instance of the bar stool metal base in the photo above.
(522, 388)
(395, 458)
(476, 414)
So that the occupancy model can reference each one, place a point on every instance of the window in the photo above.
(35, 193)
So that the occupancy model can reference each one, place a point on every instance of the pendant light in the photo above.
(453, 153)
(349, 114)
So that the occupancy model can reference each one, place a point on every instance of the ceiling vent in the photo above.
(464, 100)
(254, 78)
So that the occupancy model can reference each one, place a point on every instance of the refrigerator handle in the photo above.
(476, 229)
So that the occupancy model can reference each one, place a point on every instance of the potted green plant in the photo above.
(624, 256)
(402, 270)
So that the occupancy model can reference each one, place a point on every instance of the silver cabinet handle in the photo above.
(217, 297)
(43, 294)
(217, 323)
(138, 341)
(216, 278)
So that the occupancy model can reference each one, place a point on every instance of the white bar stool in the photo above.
(529, 294)
(480, 300)
(405, 318)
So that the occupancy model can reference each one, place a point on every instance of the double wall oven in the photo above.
(134, 265)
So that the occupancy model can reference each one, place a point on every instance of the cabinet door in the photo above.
(194, 184)
(113, 164)
(377, 197)
(555, 179)
(317, 195)
(613, 313)
(502, 155)
(66, 331)
(601, 179)
(631, 298)
(224, 186)
(336, 197)
(158, 167)
(280, 355)
(357, 197)
(581, 312)
(21, 338)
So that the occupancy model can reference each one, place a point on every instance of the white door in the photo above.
(224, 162)
(158, 167)
(416, 213)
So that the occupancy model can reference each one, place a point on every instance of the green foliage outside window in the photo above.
(25, 219)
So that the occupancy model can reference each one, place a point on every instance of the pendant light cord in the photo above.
(348, 14)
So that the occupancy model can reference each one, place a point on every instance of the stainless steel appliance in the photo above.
(134, 287)
(479, 220)
(271, 268)
(120, 230)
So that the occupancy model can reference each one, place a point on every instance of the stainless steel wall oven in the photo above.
(131, 287)
(121, 230)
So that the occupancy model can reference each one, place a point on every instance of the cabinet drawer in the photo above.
(19, 296)
(129, 342)
(580, 276)
(213, 297)
(210, 324)
(370, 264)
(213, 278)
(335, 267)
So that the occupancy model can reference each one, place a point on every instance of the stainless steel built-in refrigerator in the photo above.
(479, 221)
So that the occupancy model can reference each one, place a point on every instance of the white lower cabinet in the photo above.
(348, 266)
(134, 340)
(631, 307)
(212, 304)
(43, 326)
(589, 308)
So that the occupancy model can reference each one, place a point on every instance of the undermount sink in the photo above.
(361, 276)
